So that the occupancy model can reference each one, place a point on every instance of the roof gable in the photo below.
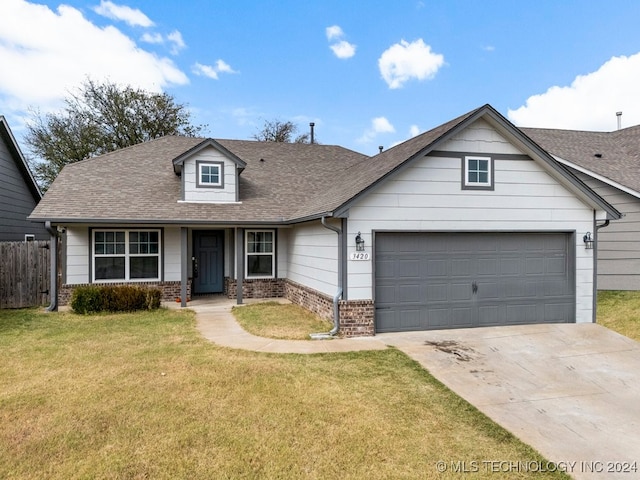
(21, 162)
(399, 157)
(209, 142)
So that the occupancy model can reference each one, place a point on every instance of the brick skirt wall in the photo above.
(255, 288)
(170, 290)
(310, 299)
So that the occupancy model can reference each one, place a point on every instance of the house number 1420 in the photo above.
(359, 256)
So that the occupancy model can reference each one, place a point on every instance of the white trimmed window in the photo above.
(260, 258)
(126, 255)
(478, 172)
(210, 174)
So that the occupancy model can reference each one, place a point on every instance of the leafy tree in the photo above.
(101, 118)
(279, 131)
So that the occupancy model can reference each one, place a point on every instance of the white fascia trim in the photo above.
(606, 180)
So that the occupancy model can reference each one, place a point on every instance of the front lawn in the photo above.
(620, 311)
(275, 320)
(145, 396)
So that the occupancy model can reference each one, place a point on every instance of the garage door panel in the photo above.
(408, 268)
(427, 279)
(437, 293)
(462, 317)
(437, 268)
(510, 266)
(460, 292)
(555, 265)
(534, 265)
(487, 267)
(410, 294)
(461, 267)
(490, 315)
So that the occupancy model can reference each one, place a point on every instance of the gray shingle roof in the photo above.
(281, 182)
(138, 184)
(618, 152)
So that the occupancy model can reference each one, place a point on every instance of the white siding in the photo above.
(172, 248)
(427, 196)
(207, 194)
(312, 257)
(77, 268)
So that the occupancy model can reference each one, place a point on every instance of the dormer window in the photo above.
(210, 174)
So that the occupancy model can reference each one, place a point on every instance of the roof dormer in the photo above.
(209, 173)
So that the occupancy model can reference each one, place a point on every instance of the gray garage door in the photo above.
(428, 281)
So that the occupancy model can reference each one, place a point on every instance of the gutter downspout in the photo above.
(336, 297)
(53, 261)
(595, 268)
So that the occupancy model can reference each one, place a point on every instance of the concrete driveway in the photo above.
(572, 391)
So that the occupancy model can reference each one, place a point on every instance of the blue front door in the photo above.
(208, 254)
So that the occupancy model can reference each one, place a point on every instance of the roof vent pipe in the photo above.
(380, 148)
(619, 115)
(312, 125)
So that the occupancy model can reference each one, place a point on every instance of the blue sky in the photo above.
(367, 73)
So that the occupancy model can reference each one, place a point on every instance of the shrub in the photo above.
(114, 298)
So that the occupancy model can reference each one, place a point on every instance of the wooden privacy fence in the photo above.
(24, 274)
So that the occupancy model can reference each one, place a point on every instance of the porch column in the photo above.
(240, 263)
(184, 261)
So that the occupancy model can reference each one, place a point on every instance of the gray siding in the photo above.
(16, 199)
(618, 243)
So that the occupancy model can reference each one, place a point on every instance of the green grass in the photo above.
(274, 320)
(145, 396)
(620, 311)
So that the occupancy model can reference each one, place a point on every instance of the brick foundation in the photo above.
(255, 288)
(310, 299)
(356, 318)
(170, 290)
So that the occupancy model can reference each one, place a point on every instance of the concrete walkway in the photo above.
(217, 324)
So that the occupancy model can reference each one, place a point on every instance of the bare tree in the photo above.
(279, 131)
(100, 118)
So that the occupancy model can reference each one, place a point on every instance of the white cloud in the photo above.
(132, 16)
(405, 61)
(341, 48)
(334, 33)
(152, 38)
(212, 72)
(414, 131)
(590, 102)
(224, 67)
(40, 69)
(489, 48)
(175, 38)
(379, 125)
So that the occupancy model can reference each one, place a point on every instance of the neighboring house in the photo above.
(469, 224)
(609, 163)
(19, 193)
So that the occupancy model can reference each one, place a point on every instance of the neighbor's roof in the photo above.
(280, 183)
(613, 155)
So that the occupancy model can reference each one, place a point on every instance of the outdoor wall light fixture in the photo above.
(359, 243)
(588, 241)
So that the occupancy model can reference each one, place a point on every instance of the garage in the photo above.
(430, 281)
